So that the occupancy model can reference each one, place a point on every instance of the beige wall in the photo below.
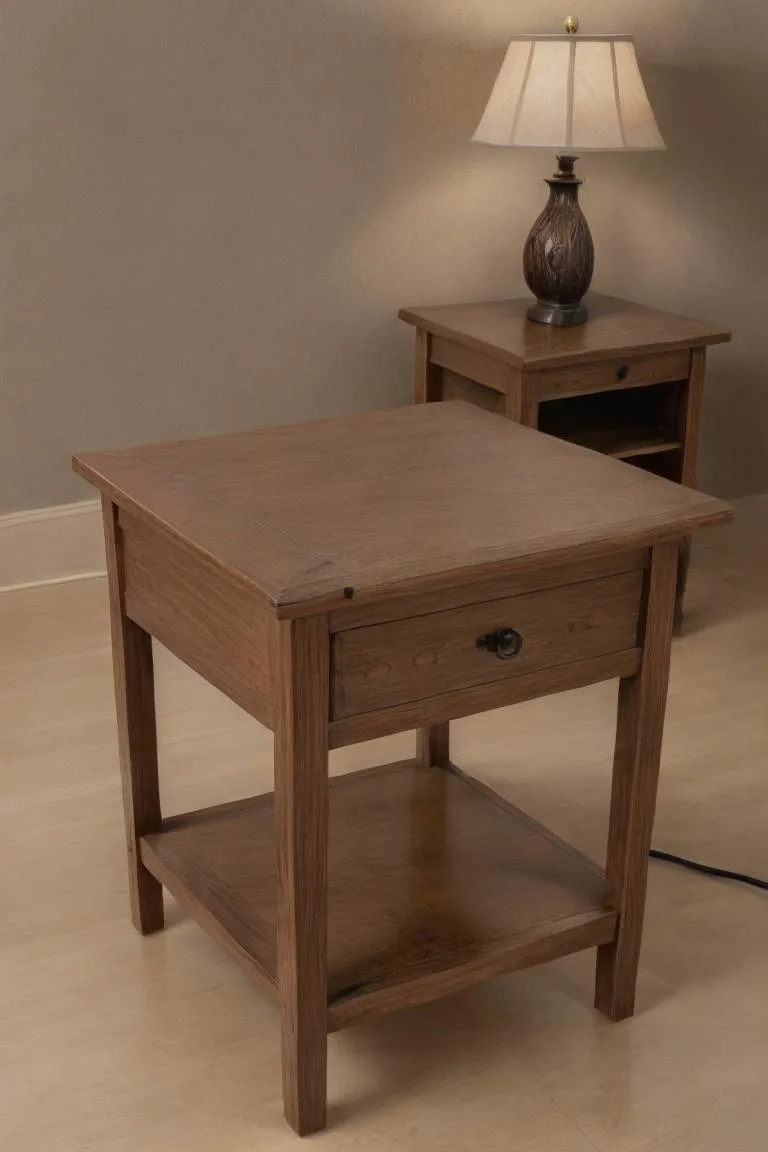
(210, 210)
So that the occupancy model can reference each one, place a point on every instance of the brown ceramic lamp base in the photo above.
(559, 256)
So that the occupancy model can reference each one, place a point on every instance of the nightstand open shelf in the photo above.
(625, 443)
(625, 424)
(431, 879)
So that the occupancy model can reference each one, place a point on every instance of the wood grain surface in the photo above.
(434, 883)
(379, 501)
(198, 881)
(212, 622)
(642, 704)
(411, 659)
(136, 730)
(457, 387)
(528, 411)
(689, 419)
(301, 675)
(433, 744)
(464, 361)
(501, 330)
(517, 402)
(427, 376)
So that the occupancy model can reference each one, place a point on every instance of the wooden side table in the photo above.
(358, 577)
(628, 383)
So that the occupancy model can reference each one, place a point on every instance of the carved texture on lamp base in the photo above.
(559, 256)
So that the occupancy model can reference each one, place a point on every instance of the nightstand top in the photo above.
(409, 499)
(502, 330)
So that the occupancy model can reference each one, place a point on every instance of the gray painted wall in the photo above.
(210, 210)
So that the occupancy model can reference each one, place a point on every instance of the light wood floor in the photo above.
(119, 1044)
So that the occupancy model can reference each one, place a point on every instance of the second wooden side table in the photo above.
(628, 383)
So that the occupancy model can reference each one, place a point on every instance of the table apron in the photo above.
(200, 613)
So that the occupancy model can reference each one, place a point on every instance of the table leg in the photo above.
(514, 398)
(529, 414)
(136, 730)
(642, 702)
(689, 419)
(682, 583)
(431, 743)
(427, 377)
(301, 691)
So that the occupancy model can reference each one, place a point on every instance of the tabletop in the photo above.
(501, 329)
(406, 498)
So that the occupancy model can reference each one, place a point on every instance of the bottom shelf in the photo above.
(434, 883)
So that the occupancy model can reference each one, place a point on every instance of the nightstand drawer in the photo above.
(384, 665)
(604, 375)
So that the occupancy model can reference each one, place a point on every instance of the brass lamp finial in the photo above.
(571, 25)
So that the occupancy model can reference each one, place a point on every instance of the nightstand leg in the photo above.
(689, 419)
(301, 687)
(642, 703)
(530, 416)
(136, 730)
(427, 377)
(682, 583)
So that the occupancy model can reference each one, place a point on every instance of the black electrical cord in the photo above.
(708, 870)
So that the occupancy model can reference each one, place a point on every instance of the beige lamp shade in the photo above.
(570, 94)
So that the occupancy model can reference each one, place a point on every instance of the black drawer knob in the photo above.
(623, 372)
(506, 643)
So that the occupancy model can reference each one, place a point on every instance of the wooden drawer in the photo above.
(604, 375)
(383, 665)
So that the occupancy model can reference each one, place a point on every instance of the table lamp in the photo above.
(572, 94)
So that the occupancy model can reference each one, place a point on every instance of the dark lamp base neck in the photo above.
(561, 315)
(565, 168)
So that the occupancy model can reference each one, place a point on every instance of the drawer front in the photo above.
(604, 375)
(384, 665)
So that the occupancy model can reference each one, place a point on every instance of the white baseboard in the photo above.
(51, 545)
